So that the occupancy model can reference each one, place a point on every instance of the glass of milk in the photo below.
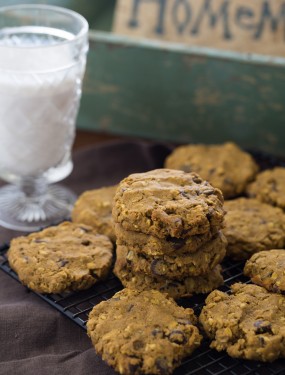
(42, 62)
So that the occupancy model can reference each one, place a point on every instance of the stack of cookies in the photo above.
(168, 228)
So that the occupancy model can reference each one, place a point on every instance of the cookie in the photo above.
(166, 202)
(94, 208)
(178, 288)
(154, 246)
(142, 332)
(252, 226)
(225, 166)
(269, 187)
(193, 264)
(249, 323)
(61, 258)
(267, 269)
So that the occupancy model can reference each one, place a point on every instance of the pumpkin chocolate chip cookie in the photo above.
(269, 187)
(225, 166)
(166, 202)
(267, 269)
(176, 288)
(154, 246)
(94, 208)
(62, 258)
(143, 332)
(252, 226)
(179, 266)
(249, 323)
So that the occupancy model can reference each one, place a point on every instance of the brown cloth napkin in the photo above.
(34, 337)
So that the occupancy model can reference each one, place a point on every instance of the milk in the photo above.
(39, 100)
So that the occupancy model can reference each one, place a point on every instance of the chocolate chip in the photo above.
(176, 243)
(177, 337)
(158, 332)
(94, 274)
(158, 267)
(161, 365)
(138, 344)
(62, 262)
(197, 179)
(85, 242)
(184, 194)
(262, 327)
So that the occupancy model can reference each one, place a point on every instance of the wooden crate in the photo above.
(173, 92)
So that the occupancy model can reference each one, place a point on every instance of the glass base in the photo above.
(28, 214)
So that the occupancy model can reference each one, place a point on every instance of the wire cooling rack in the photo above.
(204, 361)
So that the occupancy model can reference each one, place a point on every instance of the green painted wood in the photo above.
(99, 13)
(183, 94)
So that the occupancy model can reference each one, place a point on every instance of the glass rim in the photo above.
(84, 24)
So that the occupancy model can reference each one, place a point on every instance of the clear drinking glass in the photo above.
(42, 62)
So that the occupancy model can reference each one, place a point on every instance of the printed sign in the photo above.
(253, 26)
